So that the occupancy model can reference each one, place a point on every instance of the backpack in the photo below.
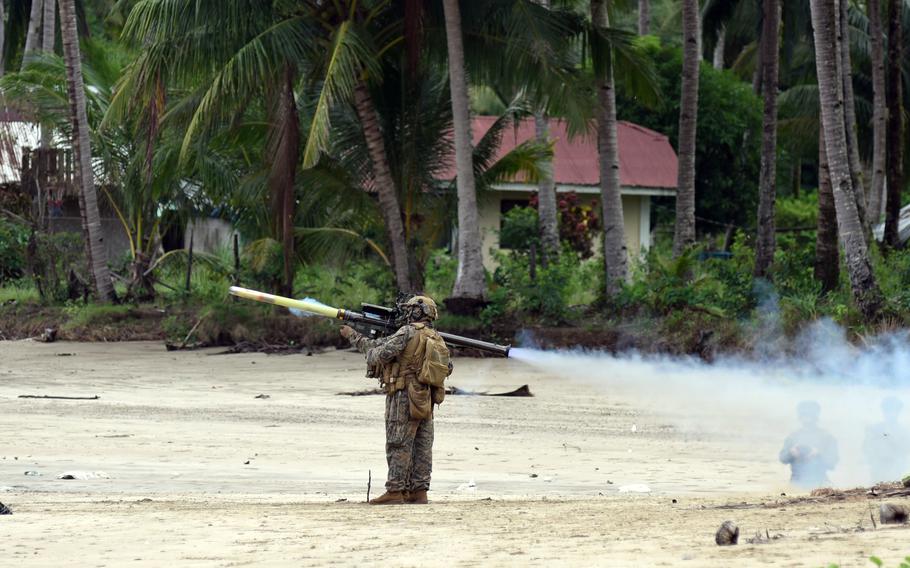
(435, 367)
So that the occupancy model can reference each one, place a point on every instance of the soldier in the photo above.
(810, 451)
(410, 365)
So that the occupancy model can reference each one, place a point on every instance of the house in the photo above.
(647, 168)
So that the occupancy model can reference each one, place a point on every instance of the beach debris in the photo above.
(765, 538)
(4, 510)
(83, 475)
(65, 354)
(262, 396)
(891, 514)
(522, 391)
(469, 487)
(55, 397)
(31, 473)
(49, 335)
(634, 488)
(727, 534)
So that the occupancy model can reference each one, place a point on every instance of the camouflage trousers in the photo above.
(408, 446)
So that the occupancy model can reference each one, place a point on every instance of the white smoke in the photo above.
(754, 399)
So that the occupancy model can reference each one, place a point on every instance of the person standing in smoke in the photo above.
(887, 444)
(810, 451)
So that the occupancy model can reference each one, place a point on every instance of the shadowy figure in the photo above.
(887, 444)
(810, 451)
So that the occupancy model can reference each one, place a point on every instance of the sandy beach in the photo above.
(198, 471)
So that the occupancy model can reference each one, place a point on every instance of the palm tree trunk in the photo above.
(879, 113)
(2, 39)
(684, 235)
(284, 152)
(765, 242)
(856, 166)
(866, 294)
(546, 196)
(385, 185)
(895, 157)
(47, 45)
(96, 250)
(718, 59)
(470, 280)
(644, 17)
(48, 31)
(32, 37)
(616, 257)
(827, 252)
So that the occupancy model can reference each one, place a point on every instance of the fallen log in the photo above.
(96, 397)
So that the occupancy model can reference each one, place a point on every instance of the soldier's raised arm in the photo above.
(383, 349)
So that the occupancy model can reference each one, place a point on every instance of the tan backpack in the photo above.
(435, 354)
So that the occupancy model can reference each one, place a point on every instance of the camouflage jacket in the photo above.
(383, 350)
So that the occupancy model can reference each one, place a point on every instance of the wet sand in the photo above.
(517, 481)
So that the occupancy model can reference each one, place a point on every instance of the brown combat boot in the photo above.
(389, 498)
(416, 498)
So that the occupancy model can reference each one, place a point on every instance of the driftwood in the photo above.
(4, 510)
(96, 397)
(522, 391)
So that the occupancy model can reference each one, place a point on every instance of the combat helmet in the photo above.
(427, 305)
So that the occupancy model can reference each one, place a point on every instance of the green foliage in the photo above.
(550, 295)
(440, 274)
(664, 285)
(520, 230)
(58, 259)
(728, 138)
(13, 238)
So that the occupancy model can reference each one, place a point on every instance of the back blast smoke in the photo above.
(789, 407)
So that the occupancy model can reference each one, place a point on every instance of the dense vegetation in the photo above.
(321, 131)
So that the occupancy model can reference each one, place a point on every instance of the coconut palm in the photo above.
(684, 234)
(469, 281)
(95, 248)
(866, 294)
(49, 26)
(895, 127)
(879, 112)
(765, 243)
(33, 35)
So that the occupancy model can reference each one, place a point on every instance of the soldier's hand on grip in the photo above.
(346, 331)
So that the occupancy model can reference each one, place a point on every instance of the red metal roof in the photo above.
(646, 158)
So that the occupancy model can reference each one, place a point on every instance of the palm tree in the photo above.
(95, 248)
(644, 17)
(765, 243)
(684, 235)
(470, 285)
(895, 127)
(879, 113)
(846, 68)
(2, 38)
(866, 294)
(546, 189)
(827, 251)
(615, 252)
(32, 37)
(546, 195)
(48, 30)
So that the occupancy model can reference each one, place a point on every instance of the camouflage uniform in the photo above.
(409, 443)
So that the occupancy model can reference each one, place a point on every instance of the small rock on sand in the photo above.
(891, 514)
(727, 534)
(4, 510)
(83, 475)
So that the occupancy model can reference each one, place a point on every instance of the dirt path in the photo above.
(516, 481)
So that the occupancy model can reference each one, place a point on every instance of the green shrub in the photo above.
(13, 240)
(439, 276)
